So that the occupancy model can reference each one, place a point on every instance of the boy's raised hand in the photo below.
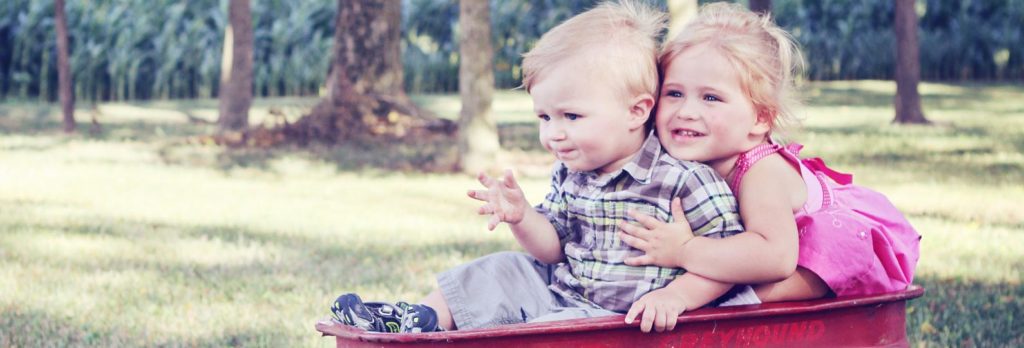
(503, 198)
(661, 308)
(662, 242)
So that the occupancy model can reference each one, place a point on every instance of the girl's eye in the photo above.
(544, 117)
(711, 98)
(572, 117)
(674, 94)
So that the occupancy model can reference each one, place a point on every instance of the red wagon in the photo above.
(868, 321)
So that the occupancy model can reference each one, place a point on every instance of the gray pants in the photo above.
(507, 288)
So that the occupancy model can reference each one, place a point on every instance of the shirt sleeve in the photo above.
(709, 204)
(554, 206)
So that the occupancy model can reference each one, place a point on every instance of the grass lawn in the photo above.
(133, 236)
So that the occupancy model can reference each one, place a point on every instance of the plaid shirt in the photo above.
(586, 210)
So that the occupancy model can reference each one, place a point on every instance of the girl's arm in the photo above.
(767, 252)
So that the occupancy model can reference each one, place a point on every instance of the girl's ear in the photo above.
(763, 124)
(640, 110)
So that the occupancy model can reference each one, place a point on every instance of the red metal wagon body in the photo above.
(869, 321)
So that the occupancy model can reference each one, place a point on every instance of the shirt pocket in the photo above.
(620, 215)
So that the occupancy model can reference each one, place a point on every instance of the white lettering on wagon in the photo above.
(757, 335)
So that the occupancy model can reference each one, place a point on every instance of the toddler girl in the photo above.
(725, 95)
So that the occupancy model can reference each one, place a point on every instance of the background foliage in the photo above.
(160, 49)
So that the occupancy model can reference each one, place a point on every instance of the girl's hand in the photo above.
(661, 242)
(661, 308)
(505, 201)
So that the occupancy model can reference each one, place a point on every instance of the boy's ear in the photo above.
(640, 110)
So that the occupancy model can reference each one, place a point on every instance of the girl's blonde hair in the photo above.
(619, 38)
(766, 57)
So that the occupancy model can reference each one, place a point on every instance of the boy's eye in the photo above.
(544, 117)
(674, 94)
(572, 117)
(711, 98)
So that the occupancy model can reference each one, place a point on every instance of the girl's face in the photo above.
(704, 114)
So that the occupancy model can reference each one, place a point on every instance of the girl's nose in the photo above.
(689, 116)
(687, 111)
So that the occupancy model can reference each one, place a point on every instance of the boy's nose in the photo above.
(556, 132)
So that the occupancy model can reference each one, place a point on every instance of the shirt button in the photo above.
(862, 235)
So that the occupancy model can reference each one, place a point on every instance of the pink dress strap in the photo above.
(747, 160)
(812, 170)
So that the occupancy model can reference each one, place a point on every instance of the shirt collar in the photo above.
(639, 168)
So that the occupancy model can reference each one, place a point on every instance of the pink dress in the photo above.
(850, 236)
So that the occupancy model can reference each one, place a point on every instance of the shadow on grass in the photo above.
(20, 327)
(438, 154)
(953, 312)
(938, 95)
(305, 264)
(32, 328)
(319, 259)
(967, 313)
(971, 155)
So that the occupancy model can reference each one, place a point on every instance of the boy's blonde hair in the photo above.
(766, 57)
(621, 36)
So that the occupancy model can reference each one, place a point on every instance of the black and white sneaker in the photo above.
(418, 318)
(350, 310)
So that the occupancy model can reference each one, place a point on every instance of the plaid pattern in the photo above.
(586, 210)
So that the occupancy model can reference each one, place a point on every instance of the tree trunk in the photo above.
(478, 134)
(761, 6)
(67, 96)
(908, 65)
(365, 95)
(236, 68)
(680, 12)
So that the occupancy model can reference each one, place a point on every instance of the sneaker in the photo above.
(418, 318)
(350, 310)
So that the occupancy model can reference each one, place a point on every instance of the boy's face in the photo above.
(587, 122)
(704, 114)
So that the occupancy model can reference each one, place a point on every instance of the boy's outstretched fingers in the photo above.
(485, 209)
(510, 180)
(480, 195)
(493, 222)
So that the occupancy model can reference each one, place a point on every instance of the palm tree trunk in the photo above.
(478, 134)
(236, 68)
(365, 93)
(908, 65)
(67, 96)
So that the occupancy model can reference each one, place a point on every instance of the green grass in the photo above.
(134, 237)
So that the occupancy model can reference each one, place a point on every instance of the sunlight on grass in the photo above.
(133, 238)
